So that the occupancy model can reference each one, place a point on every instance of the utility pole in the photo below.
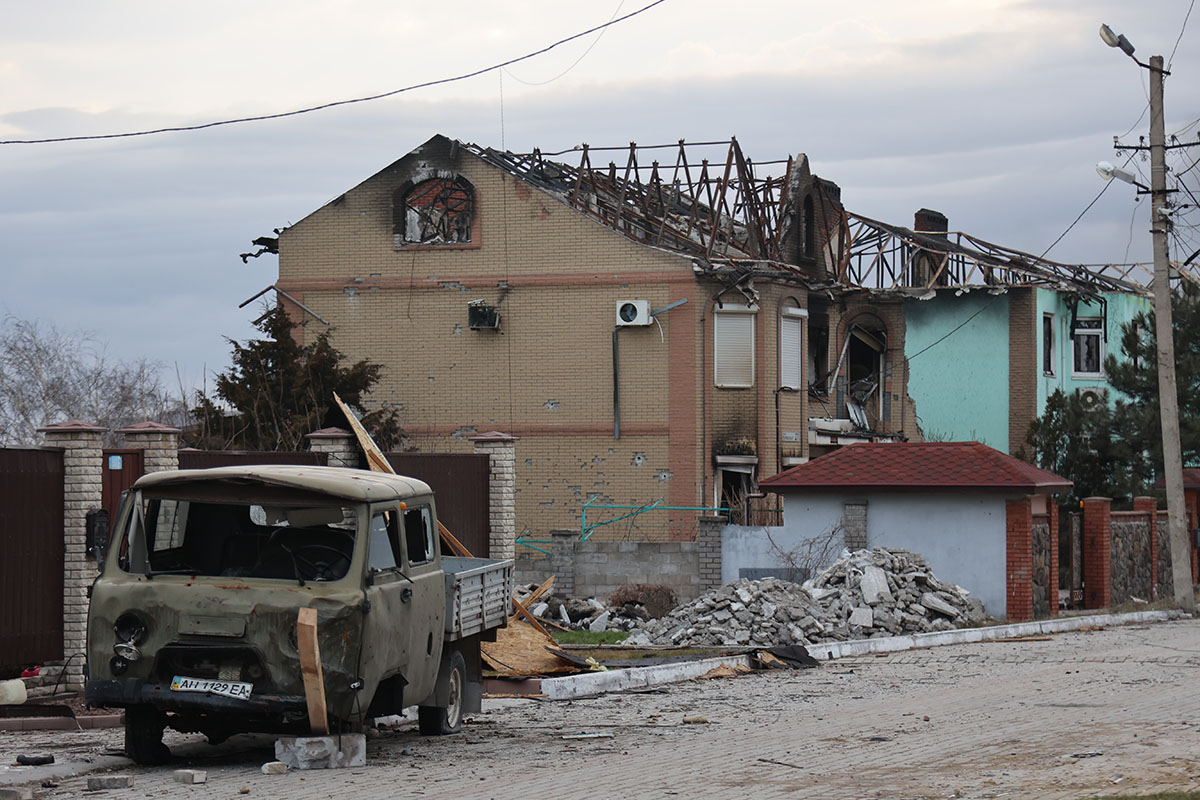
(1164, 329)
(1164, 336)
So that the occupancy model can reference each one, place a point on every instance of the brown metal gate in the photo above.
(203, 459)
(31, 557)
(460, 486)
(121, 469)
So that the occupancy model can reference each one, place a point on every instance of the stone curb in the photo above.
(891, 644)
(593, 683)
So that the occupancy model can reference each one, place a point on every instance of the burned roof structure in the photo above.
(723, 209)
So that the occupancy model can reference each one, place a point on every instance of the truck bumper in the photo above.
(135, 691)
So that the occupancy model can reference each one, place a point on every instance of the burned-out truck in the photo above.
(193, 618)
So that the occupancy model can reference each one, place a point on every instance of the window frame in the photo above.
(1076, 333)
(744, 342)
(1049, 345)
(792, 317)
(426, 511)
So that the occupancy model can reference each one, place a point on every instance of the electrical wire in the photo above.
(334, 104)
(1132, 218)
(1086, 209)
(574, 63)
(1182, 28)
(956, 329)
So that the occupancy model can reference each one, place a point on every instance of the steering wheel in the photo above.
(331, 568)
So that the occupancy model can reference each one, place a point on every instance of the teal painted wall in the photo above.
(1121, 309)
(960, 385)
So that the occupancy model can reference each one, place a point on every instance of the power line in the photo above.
(1182, 28)
(1086, 209)
(323, 106)
(574, 63)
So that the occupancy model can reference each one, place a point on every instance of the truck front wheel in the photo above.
(442, 720)
(143, 735)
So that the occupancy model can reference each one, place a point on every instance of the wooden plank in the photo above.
(533, 596)
(379, 463)
(523, 611)
(310, 668)
(454, 544)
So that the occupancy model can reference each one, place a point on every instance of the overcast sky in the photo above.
(993, 112)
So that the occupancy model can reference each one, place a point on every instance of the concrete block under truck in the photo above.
(193, 618)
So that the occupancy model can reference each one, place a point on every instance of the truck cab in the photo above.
(193, 618)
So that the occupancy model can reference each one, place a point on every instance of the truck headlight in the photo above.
(131, 627)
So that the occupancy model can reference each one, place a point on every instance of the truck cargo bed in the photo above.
(478, 595)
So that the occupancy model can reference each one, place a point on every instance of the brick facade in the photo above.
(854, 524)
(1097, 552)
(1023, 370)
(1019, 560)
(546, 375)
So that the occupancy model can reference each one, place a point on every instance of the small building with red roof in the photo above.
(966, 507)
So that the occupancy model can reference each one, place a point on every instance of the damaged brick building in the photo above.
(656, 324)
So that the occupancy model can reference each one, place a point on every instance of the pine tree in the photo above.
(277, 391)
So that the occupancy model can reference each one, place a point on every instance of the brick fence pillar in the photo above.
(501, 450)
(1018, 516)
(83, 463)
(1052, 588)
(1097, 552)
(159, 445)
(340, 445)
(854, 524)
(708, 545)
(1149, 507)
(562, 561)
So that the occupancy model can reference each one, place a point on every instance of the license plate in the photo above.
(235, 689)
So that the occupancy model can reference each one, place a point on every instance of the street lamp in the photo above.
(1168, 397)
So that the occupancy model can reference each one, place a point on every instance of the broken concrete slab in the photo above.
(935, 603)
(874, 586)
(16, 793)
(600, 623)
(322, 752)
(274, 768)
(862, 617)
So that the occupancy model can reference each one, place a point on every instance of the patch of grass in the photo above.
(590, 637)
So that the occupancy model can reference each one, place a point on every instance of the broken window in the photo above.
(1088, 339)
(791, 354)
(865, 354)
(733, 346)
(1047, 344)
(418, 535)
(435, 211)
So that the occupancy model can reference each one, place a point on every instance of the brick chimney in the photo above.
(927, 220)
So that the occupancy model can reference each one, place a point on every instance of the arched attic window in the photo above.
(438, 210)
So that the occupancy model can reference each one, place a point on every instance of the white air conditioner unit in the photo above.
(1092, 396)
(633, 312)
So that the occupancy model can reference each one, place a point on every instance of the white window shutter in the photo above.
(733, 365)
(790, 354)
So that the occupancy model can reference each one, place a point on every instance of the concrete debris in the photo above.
(190, 776)
(274, 768)
(321, 752)
(98, 782)
(864, 594)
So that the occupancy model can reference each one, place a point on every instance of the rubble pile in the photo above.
(590, 614)
(864, 594)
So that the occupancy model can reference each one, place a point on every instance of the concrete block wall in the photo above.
(598, 568)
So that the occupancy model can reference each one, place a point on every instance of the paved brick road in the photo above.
(983, 720)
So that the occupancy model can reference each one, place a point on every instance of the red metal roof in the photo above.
(892, 466)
